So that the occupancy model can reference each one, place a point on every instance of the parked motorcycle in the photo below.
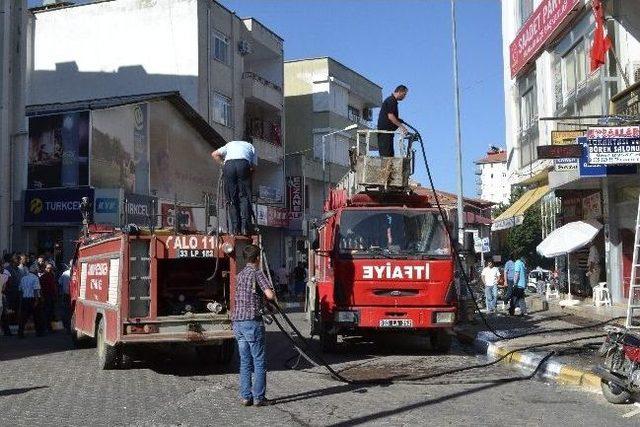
(620, 369)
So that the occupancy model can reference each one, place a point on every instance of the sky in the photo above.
(407, 42)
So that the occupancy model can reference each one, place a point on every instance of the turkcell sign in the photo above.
(390, 272)
(55, 205)
(138, 209)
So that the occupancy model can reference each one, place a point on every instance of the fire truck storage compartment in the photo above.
(183, 286)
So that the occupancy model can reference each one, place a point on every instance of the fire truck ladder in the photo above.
(633, 309)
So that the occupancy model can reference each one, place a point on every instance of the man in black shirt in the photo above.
(389, 120)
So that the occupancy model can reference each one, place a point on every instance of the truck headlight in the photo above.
(346, 317)
(445, 317)
(227, 248)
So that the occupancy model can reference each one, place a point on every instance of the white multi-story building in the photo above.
(229, 69)
(491, 177)
(552, 96)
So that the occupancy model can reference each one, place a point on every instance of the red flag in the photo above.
(601, 43)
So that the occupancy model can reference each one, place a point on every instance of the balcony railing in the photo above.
(262, 80)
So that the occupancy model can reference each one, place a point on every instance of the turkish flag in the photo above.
(601, 43)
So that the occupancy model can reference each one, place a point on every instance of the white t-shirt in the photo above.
(490, 276)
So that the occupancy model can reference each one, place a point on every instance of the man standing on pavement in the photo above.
(490, 275)
(49, 296)
(5, 275)
(30, 303)
(251, 286)
(63, 281)
(389, 120)
(519, 285)
(239, 161)
(593, 265)
(508, 277)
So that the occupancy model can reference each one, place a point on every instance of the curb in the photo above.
(560, 373)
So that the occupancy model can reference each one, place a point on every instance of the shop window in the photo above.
(58, 150)
(220, 47)
(574, 68)
(528, 137)
(222, 111)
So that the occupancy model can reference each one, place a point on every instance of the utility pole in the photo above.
(456, 87)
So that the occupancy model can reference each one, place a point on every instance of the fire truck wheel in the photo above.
(107, 354)
(614, 394)
(440, 341)
(78, 339)
(328, 340)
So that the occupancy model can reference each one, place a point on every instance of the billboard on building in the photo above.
(180, 158)
(58, 150)
(618, 145)
(588, 169)
(120, 148)
(55, 205)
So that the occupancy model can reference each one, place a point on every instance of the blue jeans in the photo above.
(491, 297)
(251, 347)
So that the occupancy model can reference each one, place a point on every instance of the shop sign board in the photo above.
(107, 204)
(565, 137)
(614, 145)
(139, 209)
(588, 169)
(185, 215)
(539, 28)
(55, 205)
(272, 216)
(295, 197)
(270, 194)
(559, 151)
(566, 165)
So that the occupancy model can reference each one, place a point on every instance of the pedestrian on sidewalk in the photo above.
(239, 162)
(249, 328)
(299, 277)
(389, 120)
(49, 296)
(282, 276)
(519, 285)
(490, 276)
(30, 304)
(508, 278)
(65, 303)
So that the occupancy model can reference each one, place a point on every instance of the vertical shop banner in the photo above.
(141, 147)
(295, 197)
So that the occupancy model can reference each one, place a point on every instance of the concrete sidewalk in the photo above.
(525, 342)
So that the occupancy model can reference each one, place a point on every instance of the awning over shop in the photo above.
(514, 215)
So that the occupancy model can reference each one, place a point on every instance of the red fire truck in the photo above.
(146, 288)
(381, 258)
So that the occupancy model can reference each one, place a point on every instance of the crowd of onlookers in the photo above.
(33, 288)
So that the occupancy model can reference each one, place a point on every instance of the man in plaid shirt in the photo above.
(252, 286)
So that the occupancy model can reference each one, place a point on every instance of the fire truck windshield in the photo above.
(392, 233)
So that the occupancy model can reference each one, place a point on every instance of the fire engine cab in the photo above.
(381, 259)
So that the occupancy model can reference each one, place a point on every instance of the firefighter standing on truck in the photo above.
(389, 120)
(239, 160)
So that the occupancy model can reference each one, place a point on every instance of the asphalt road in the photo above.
(43, 381)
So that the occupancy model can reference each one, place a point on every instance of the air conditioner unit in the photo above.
(244, 47)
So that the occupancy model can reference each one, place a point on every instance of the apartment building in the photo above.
(491, 177)
(551, 97)
(229, 69)
(322, 96)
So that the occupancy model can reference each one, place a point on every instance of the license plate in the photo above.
(396, 323)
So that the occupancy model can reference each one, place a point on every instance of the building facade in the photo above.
(491, 177)
(551, 97)
(321, 96)
(15, 22)
(230, 70)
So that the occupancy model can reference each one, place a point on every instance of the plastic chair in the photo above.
(551, 292)
(601, 295)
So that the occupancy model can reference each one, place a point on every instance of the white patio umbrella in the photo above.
(565, 240)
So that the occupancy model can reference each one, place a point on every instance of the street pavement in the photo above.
(44, 381)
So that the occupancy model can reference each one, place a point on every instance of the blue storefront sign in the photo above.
(55, 205)
(106, 205)
(596, 170)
